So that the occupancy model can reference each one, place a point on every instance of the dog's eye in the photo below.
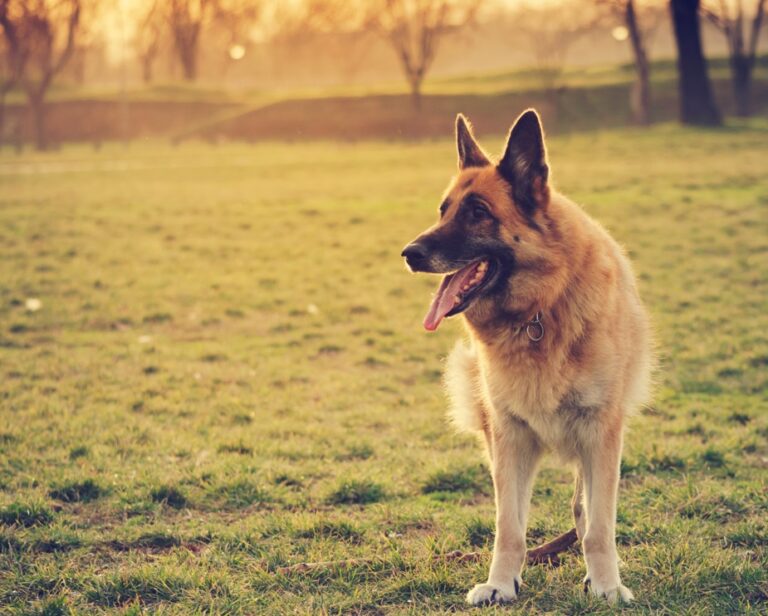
(479, 212)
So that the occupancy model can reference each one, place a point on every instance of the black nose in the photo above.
(414, 254)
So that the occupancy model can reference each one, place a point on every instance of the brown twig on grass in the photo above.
(546, 553)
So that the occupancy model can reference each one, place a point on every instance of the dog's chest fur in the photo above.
(559, 406)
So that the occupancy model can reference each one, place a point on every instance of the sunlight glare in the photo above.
(237, 52)
(620, 33)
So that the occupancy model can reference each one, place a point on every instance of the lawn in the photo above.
(225, 373)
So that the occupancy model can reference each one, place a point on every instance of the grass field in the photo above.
(225, 373)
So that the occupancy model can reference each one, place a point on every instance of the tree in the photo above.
(188, 18)
(414, 28)
(640, 99)
(309, 32)
(13, 58)
(697, 105)
(549, 31)
(45, 34)
(742, 49)
(629, 12)
(146, 40)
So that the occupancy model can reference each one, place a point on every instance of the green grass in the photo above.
(227, 375)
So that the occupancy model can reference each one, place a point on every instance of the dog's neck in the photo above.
(554, 290)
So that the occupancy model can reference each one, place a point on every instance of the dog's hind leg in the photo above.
(600, 462)
(515, 454)
(577, 504)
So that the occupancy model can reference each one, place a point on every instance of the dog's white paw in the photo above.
(612, 595)
(490, 594)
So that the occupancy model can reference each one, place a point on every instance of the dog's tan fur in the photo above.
(568, 393)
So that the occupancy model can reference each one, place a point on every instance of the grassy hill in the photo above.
(213, 366)
(585, 98)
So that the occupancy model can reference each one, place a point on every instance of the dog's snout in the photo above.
(414, 254)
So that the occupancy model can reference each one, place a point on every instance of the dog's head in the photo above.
(490, 235)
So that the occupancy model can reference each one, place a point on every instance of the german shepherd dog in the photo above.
(559, 350)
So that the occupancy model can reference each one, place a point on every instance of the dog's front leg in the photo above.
(601, 460)
(515, 451)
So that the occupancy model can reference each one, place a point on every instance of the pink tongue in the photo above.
(444, 300)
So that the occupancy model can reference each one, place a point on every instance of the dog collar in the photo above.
(534, 328)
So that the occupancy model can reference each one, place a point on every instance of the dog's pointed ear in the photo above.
(524, 164)
(470, 153)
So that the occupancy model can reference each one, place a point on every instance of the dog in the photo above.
(559, 349)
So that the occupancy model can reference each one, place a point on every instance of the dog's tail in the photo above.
(462, 383)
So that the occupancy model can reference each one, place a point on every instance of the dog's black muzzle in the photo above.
(416, 256)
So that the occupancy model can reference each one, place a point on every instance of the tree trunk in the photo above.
(186, 38)
(37, 110)
(640, 96)
(741, 80)
(146, 68)
(188, 58)
(697, 105)
(416, 93)
(2, 117)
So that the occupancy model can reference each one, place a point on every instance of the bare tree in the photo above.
(742, 46)
(330, 30)
(550, 30)
(147, 38)
(414, 28)
(632, 13)
(13, 57)
(697, 104)
(46, 32)
(640, 98)
(188, 18)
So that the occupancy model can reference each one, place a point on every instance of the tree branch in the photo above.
(757, 22)
(72, 24)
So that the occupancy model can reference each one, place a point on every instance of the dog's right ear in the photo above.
(470, 154)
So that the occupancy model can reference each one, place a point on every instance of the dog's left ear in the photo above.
(470, 153)
(524, 164)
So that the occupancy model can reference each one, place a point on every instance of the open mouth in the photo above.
(458, 290)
